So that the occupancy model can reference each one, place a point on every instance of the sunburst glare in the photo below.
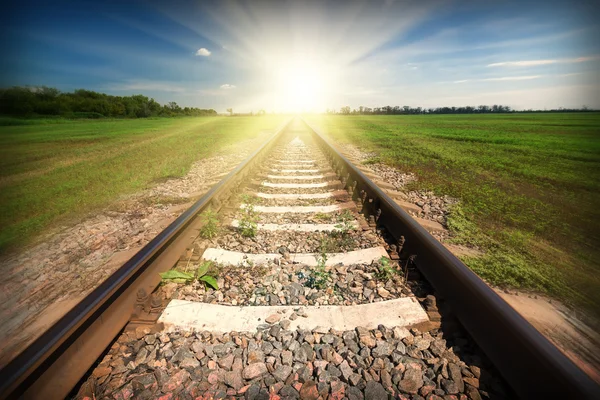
(300, 85)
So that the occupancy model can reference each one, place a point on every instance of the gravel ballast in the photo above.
(276, 363)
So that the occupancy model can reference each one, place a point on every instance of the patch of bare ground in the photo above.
(560, 324)
(42, 282)
(578, 341)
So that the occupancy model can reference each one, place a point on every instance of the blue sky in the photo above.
(283, 56)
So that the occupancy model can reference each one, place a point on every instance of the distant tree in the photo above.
(230, 111)
(46, 93)
(345, 110)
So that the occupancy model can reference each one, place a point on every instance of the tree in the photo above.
(173, 106)
(345, 110)
(230, 111)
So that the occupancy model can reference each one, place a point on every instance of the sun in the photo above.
(300, 85)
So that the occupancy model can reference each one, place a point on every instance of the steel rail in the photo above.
(45, 368)
(527, 360)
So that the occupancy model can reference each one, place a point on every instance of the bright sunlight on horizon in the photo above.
(300, 85)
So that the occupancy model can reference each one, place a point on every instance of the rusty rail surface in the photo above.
(52, 365)
(529, 362)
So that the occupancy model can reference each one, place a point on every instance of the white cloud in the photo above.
(513, 78)
(203, 52)
(504, 78)
(571, 74)
(533, 63)
(227, 86)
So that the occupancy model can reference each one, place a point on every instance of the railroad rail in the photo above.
(53, 365)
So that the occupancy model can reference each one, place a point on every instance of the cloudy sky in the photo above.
(301, 55)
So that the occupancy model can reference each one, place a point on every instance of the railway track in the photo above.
(326, 288)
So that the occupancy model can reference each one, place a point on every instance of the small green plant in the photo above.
(176, 276)
(201, 275)
(385, 271)
(319, 276)
(210, 224)
(342, 230)
(345, 225)
(249, 221)
(321, 216)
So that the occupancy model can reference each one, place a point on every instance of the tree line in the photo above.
(405, 110)
(81, 103)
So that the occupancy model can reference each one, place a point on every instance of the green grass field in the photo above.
(529, 186)
(56, 171)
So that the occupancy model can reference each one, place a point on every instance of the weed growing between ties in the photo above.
(385, 271)
(210, 224)
(249, 220)
(321, 216)
(341, 233)
(319, 276)
(201, 275)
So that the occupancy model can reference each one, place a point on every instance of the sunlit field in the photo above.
(55, 171)
(529, 186)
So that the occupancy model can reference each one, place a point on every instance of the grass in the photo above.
(529, 186)
(56, 173)
(12, 121)
(210, 224)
